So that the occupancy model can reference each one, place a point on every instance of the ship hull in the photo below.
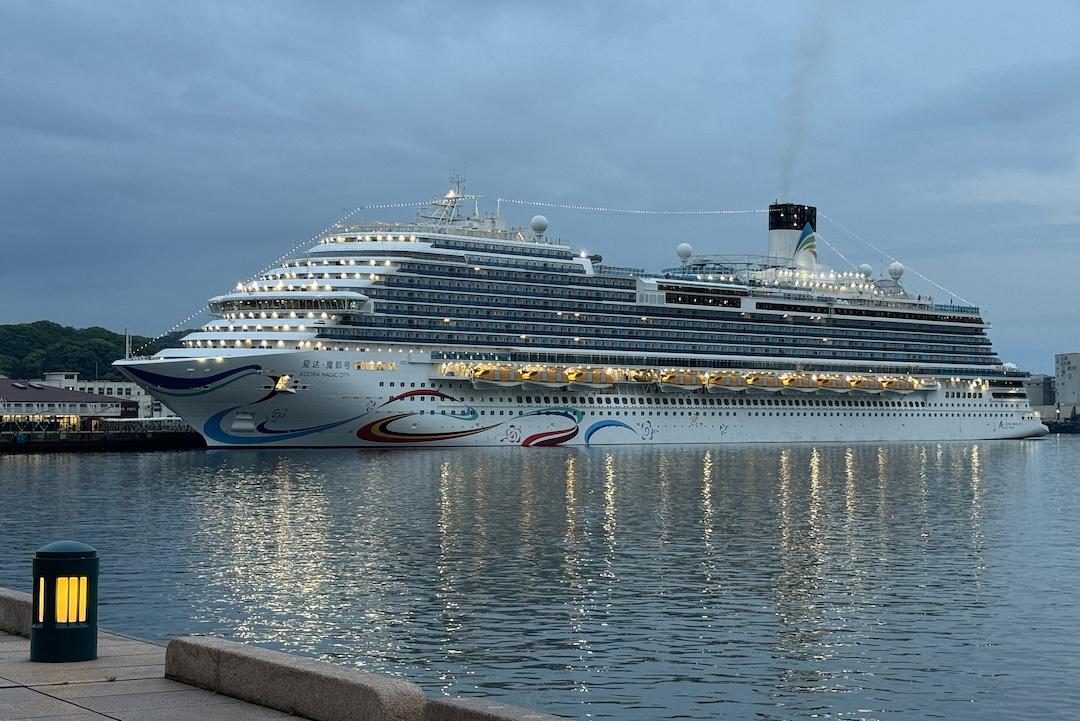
(396, 400)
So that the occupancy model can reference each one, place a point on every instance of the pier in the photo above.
(128, 440)
(200, 678)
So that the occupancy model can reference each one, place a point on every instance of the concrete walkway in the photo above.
(126, 683)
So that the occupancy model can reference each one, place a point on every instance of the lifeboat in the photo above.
(831, 383)
(799, 382)
(866, 384)
(640, 375)
(679, 381)
(725, 382)
(769, 382)
(898, 385)
(927, 384)
(584, 379)
(541, 378)
(495, 377)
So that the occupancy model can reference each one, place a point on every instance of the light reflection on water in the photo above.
(855, 582)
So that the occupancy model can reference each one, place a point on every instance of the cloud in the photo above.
(1013, 96)
(1053, 192)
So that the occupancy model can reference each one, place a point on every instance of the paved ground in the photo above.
(126, 683)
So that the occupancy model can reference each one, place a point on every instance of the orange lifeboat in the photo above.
(677, 381)
(583, 379)
(495, 377)
(831, 383)
(540, 378)
(898, 385)
(866, 384)
(763, 381)
(798, 382)
(724, 382)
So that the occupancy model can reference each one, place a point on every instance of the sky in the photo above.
(152, 154)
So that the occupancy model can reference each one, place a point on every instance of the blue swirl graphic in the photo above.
(184, 384)
(605, 424)
(212, 429)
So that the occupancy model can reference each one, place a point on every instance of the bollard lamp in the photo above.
(64, 624)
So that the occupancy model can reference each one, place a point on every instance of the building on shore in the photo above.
(1057, 397)
(1040, 389)
(149, 407)
(31, 406)
(1067, 378)
(35, 417)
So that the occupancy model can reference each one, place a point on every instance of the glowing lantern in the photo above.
(64, 623)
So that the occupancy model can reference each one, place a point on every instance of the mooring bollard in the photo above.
(64, 626)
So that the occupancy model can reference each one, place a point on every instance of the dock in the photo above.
(201, 678)
(58, 441)
(126, 682)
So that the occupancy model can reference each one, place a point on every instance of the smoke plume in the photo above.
(810, 52)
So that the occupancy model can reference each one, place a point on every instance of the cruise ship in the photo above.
(458, 330)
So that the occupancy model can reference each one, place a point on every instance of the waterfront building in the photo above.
(1067, 378)
(31, 406)
(1040, 390)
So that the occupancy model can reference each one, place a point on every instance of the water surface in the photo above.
(833, 581)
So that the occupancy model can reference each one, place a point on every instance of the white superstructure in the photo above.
(456, 330)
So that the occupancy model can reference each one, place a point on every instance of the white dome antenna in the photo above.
(896, 270)
(684, 251)
(866, 269)
(538, 224)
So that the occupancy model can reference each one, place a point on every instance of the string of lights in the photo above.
(278, 262)
(176, 326)
(627, 211)
(330, 227)
(882, 252)
(833, 249)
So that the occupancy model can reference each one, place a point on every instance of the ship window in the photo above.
(380, 383)
(519, 399)
(547, 399)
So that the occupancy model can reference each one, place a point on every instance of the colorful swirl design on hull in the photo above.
(380, 432)
(212, 429)
(550, 438)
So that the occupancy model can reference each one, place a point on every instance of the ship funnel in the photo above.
(793, 234)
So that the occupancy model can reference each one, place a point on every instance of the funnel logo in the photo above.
(807, 241)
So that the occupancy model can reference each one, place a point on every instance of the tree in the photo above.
(29, 350)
